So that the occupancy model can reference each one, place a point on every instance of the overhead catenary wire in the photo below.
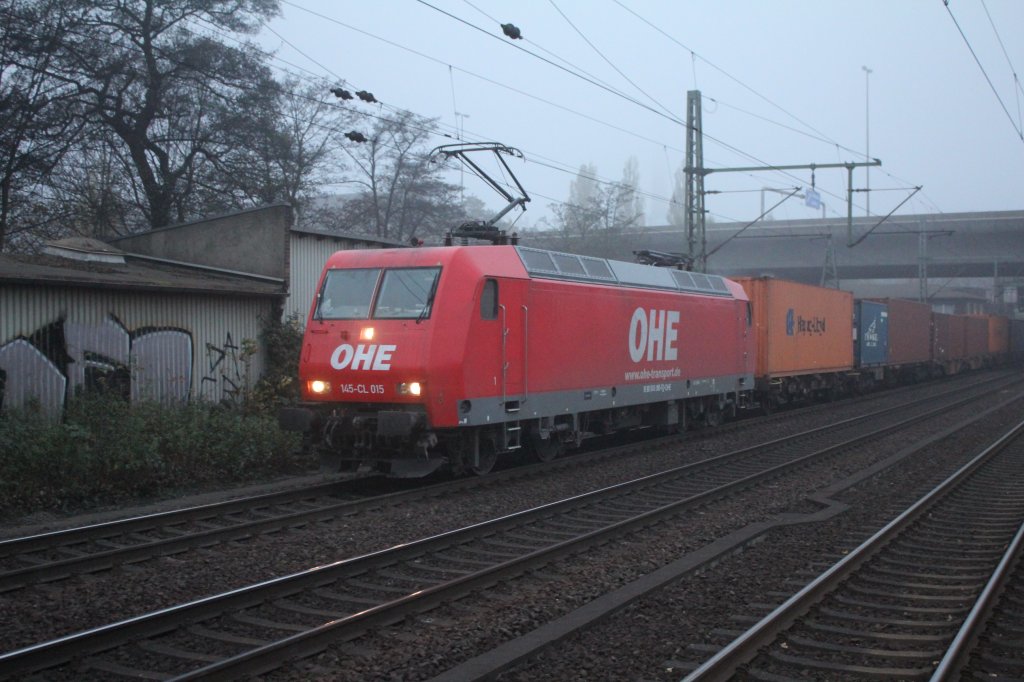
(608, 61)
(566, 170)
(669, 117)
(1019, 130)
(571, 72)
(543, 49)
(653, 196)
(755, 220)
(694, 57)
(548, 102)
(551, 163)
(711, 138)
(1016, 80)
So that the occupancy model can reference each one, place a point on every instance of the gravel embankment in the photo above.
(418, 650)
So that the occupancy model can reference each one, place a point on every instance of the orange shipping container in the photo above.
(799, 328)
(998, 334)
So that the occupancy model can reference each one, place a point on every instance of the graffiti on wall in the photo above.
(225, 371)
(63, 357)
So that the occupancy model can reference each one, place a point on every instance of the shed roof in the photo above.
(136, 273)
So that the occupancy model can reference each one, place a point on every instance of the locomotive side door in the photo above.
(511, 346)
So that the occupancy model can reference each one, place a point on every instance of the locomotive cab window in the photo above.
(489, 300)
(347, 294)
(406, 293)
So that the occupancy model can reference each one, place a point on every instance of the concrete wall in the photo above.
(254, 241)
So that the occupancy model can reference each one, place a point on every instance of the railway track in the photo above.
(256, 628)
(921, 590)
(61, 554)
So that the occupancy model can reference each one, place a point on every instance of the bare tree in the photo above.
(597, 213)
(168, 95)
(294, 147)
(676, 214)
(402, 193)
(625, 196)
(37, 111)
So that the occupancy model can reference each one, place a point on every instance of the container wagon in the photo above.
(910, 340)
(1017, 340)
(998, 337)
(803, 339)
(976, 343)
(871, 320)
(949, 343)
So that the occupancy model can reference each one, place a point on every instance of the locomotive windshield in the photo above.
(407, 292)
(401, 293)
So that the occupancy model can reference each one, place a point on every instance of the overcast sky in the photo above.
(782, 83)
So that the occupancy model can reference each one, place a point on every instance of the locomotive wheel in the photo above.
(488, 456)
(713, 417)
(545, 450)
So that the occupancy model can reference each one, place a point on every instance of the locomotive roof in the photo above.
(545, 264)
(569, 266)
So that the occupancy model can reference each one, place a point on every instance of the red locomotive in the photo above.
(418, 358)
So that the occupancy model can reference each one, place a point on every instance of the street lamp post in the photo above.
(867, 133)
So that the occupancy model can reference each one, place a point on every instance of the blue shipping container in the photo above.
(870, 333)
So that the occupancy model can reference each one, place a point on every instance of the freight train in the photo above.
(451, 357)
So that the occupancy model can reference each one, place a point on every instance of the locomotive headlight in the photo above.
(411, 388)
(319, 387)
(366, 334)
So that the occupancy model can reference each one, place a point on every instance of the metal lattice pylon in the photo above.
(830, 273)
(696, 237)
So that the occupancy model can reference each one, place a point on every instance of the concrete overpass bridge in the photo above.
(902, 257)
(907, 253)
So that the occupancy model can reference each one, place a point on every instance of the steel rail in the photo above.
(957, 653)
(30, 543)
(270, 656)
(743, 649)
(235, 530)
(57, 651)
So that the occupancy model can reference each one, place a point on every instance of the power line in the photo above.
(557, 66)
(1016, 80)
(479, 76)
(711, 138)
(552, 163)
(725, 73)
(608, 61)
(540, 47)
(977, 61)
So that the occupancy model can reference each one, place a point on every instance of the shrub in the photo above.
(109, 452)
(279, 385)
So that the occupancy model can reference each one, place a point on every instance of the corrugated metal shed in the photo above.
(163, 318)
(309, 250)
(148, 328)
